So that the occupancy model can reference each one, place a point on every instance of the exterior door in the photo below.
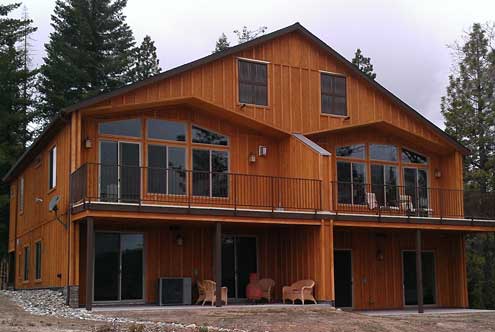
(429, 282)
(120, 174)
(239, 260)
(118, 267)
(343, 278)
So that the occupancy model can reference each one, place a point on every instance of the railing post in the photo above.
(235, 191)
(440, 197)
(273, 192)
(321, 196)
(190, 188)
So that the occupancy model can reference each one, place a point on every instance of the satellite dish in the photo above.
(53, 205)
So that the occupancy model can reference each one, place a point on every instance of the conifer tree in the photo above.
(90, 51)
(469, 112)
(245, 35)
(222, 43)
(147, 62)
(15, 100)
(363, 63)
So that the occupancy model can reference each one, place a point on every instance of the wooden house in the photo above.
(276, 156)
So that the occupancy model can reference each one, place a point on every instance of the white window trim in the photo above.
(52, 163)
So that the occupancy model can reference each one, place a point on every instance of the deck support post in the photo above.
(218, 264)
(89, 262)
(419, 272)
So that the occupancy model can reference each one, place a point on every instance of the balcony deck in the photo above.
(133, 189)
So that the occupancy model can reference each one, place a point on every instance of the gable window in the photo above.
(37, 260)
(210, 176)
(26, 264)
(166, 130)
(52, 168)
(129, 127)
(203, 136)
(333, 94)
(253, 86)
(166, 170)
(21, 194)
(413, 157)
(383, 152)
(351, 151)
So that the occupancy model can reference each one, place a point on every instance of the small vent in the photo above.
(174, 291)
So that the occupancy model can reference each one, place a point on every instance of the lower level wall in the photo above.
(378, 282)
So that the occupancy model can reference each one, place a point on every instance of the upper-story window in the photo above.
(129, 127)
(166, 130)
(52, 168)
(253, 86)
(21, 194)
(333, 94)
(413, 157)
(351, 151)
(26, 263)
(383, 152)
(204, 136)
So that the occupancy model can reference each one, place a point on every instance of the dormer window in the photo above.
(253, 86)
(333, 94)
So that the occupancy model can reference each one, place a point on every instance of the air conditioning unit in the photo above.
(174, 291)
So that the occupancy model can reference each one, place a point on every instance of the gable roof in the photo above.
(296, 27)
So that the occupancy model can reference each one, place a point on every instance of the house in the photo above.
(276, 156)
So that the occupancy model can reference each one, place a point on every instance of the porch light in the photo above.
(87, 143)
(252, 158)
(180, 240)
(379, 255)
(437, 173)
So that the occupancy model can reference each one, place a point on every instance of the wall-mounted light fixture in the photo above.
(179, 239)
(379, 255)
(262, 151)
(437, 173)
(87, 143)
(252, 158)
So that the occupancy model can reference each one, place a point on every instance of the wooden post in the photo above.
(419, 272)
(218, 264)
(89, 262)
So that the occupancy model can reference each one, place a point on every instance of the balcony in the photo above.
(119, 185)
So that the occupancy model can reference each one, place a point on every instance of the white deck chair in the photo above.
(371, 201)
(406, 203)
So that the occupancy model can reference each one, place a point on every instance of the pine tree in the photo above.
(221, 44)
(469, 106)
(245, 35)
(90, 51)
(469, 111)
(363, 63)
(147, 62)
(15, 100)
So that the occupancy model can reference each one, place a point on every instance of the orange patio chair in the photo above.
(300, 290)
(206, 289)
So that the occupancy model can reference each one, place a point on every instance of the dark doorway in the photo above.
(343, 278)
(239, 259)
(410, 290)
(118, 272)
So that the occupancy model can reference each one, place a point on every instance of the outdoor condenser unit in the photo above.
(174, 291)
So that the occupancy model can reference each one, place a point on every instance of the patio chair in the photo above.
(371, 201)
(206, 290)
(266, 285)
(406, 203)
(300, 290)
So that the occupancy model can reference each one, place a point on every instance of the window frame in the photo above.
(352, 185)
(142, 133)
(21, 194)
(266, 63)
(26, 263)
(147, 132)
(52, 168)
(210, 172)
(208, 144)
(167, 169)
(38, 251)
(322, 72)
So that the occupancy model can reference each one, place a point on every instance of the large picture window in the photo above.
(129, 127)
(166, 170)
(416, 188)
(210, 176)
(333, 94)
(253, 86)
(205, 136)
(166, 130)
(384, 180)
(383, 152)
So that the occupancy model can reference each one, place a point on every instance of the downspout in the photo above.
(69, 214)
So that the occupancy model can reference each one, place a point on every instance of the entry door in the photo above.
(343, 278)
(118, 267)
(410, 289)
(120, 174)
(239, 259)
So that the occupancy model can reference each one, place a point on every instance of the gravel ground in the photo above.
(44, 311)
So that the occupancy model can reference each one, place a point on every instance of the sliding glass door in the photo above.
(120, 173)
(416, 187)
(118, 267)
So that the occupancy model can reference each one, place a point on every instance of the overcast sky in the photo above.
(406, 39)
